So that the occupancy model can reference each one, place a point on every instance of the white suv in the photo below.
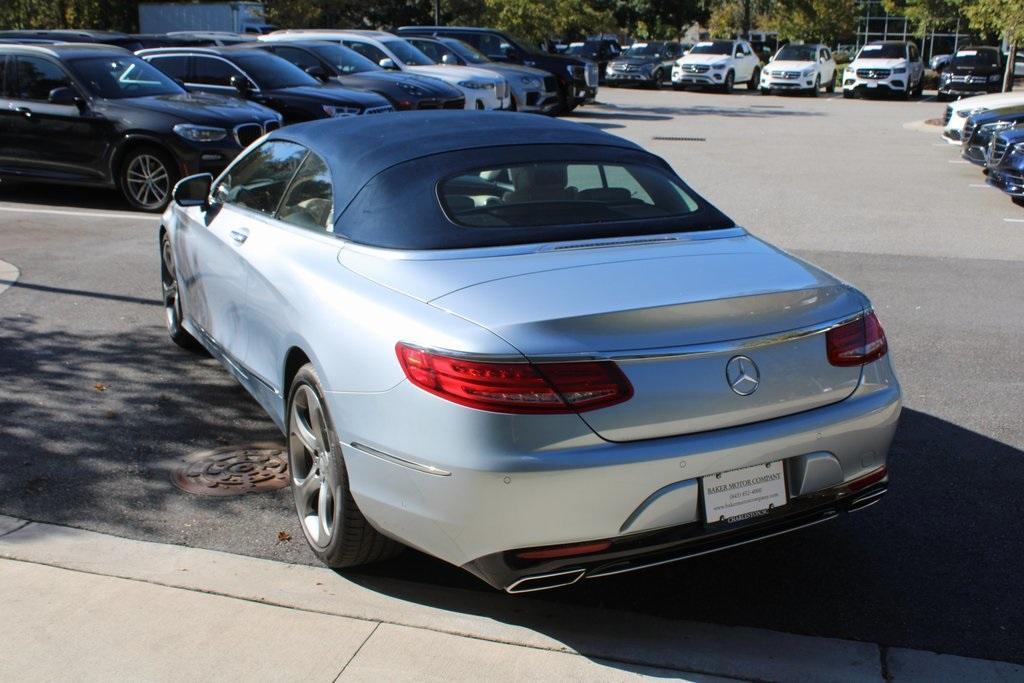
(801, 68)
(719, 64)
(483, 88)
(889, 67)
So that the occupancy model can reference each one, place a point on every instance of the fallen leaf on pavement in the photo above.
(283, 536)
(99, 386)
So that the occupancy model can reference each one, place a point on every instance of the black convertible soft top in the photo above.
(385, 169)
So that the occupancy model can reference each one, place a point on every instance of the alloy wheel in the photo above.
(169, 282)
(148, 181)
(311, 458)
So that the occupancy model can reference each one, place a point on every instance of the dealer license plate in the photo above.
(744, 494)
(872, 85)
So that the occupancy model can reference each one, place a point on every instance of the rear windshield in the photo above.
(562, 193)
(883, 51)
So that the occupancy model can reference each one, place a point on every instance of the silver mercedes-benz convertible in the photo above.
(525, 347)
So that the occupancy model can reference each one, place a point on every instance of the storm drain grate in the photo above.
(675, 138)
(233, 470)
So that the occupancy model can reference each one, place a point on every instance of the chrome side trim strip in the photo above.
(826, 517)
(394, 459)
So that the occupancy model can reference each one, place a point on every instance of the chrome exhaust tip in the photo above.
(543, 582)
(866, 500)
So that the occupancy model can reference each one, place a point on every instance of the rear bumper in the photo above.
(472, 488)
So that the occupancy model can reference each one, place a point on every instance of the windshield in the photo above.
(643, 50)
(583, 49)
(713, 47)
(466, 51)
(116, 78)
(407, 54)
(562, 193)
(344, 60)
(271, 73)
(798, 53)
(975, 58)
(883, 51)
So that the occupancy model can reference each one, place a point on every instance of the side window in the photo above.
(258, 180)
(432, 50)
(299, 58)
(173, 66)
(374, 54)
(913, 52)
(3, 75)
(310, 200)
(211, 71)
(491, 45)
(34, 78)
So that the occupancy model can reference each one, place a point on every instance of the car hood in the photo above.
(454, 74)
(330, 93)
(877, 63)
(789, 65)
(965, 70)
(637, 61)
(993, 101)
(201, 108)
(702, 59)
(432, 86)
(510, 70)
(1015, 113)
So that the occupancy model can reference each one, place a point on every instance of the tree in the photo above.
(1003, 17)
(926, 15)
(826, 21)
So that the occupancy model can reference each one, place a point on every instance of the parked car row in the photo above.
(78, 107)
(990, 132)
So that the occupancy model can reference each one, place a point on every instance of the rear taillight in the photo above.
(516, 387)
(857, 342)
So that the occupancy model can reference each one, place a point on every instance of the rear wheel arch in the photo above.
(132, 142)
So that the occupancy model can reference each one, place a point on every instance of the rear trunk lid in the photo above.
(672, 316)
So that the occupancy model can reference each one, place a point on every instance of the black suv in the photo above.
(577, 78)
(972, 71)
(329, 61)
(261, 77)
(98, 115)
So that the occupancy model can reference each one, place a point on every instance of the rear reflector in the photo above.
(516, 387)
(856, 343)
(868, 479)
(564, 551)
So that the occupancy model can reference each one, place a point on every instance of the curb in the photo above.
(8, 275)
(683, 647)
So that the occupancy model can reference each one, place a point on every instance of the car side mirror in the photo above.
(66, 96)
(240, 84)
(193, 190)
(388, 63)
(319, 73)
(511, 54)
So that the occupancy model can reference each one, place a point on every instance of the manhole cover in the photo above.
(233, 470)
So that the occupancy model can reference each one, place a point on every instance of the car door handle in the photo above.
(240, 236)
(25, 111)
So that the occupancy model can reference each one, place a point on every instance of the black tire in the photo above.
(919, 90)
(766, 91)
(831, 87)
(1019, 201)
(755, 79)
(173, 312)
(659, 79)
(848, 94)
(142, 164)
(678, 87)
(352, 540)
(729, 83)
(816, 91)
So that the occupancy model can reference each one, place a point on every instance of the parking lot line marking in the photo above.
(81, 214)
(1014, 220)
(978, 185)
(957, 161)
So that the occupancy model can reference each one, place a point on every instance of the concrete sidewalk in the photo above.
(88, 606)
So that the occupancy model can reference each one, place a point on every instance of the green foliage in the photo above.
(926, 15)
(1002, 17)
(824, 21)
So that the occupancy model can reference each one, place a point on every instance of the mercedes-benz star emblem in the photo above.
(742, 375)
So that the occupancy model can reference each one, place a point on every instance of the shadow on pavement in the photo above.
(932, 566)
(47, 195)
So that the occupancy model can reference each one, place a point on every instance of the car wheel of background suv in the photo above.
(336, 530)
(729, 82)
(146, 177)
(755, 79)
(919, 90)
(816, 90)
(659, 79)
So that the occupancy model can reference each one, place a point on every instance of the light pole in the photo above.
(437, 12)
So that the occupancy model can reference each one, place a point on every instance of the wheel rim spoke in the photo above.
(325, 511)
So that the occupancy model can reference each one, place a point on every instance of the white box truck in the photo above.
(236, 17)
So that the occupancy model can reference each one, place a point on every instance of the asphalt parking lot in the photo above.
(98, 407)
